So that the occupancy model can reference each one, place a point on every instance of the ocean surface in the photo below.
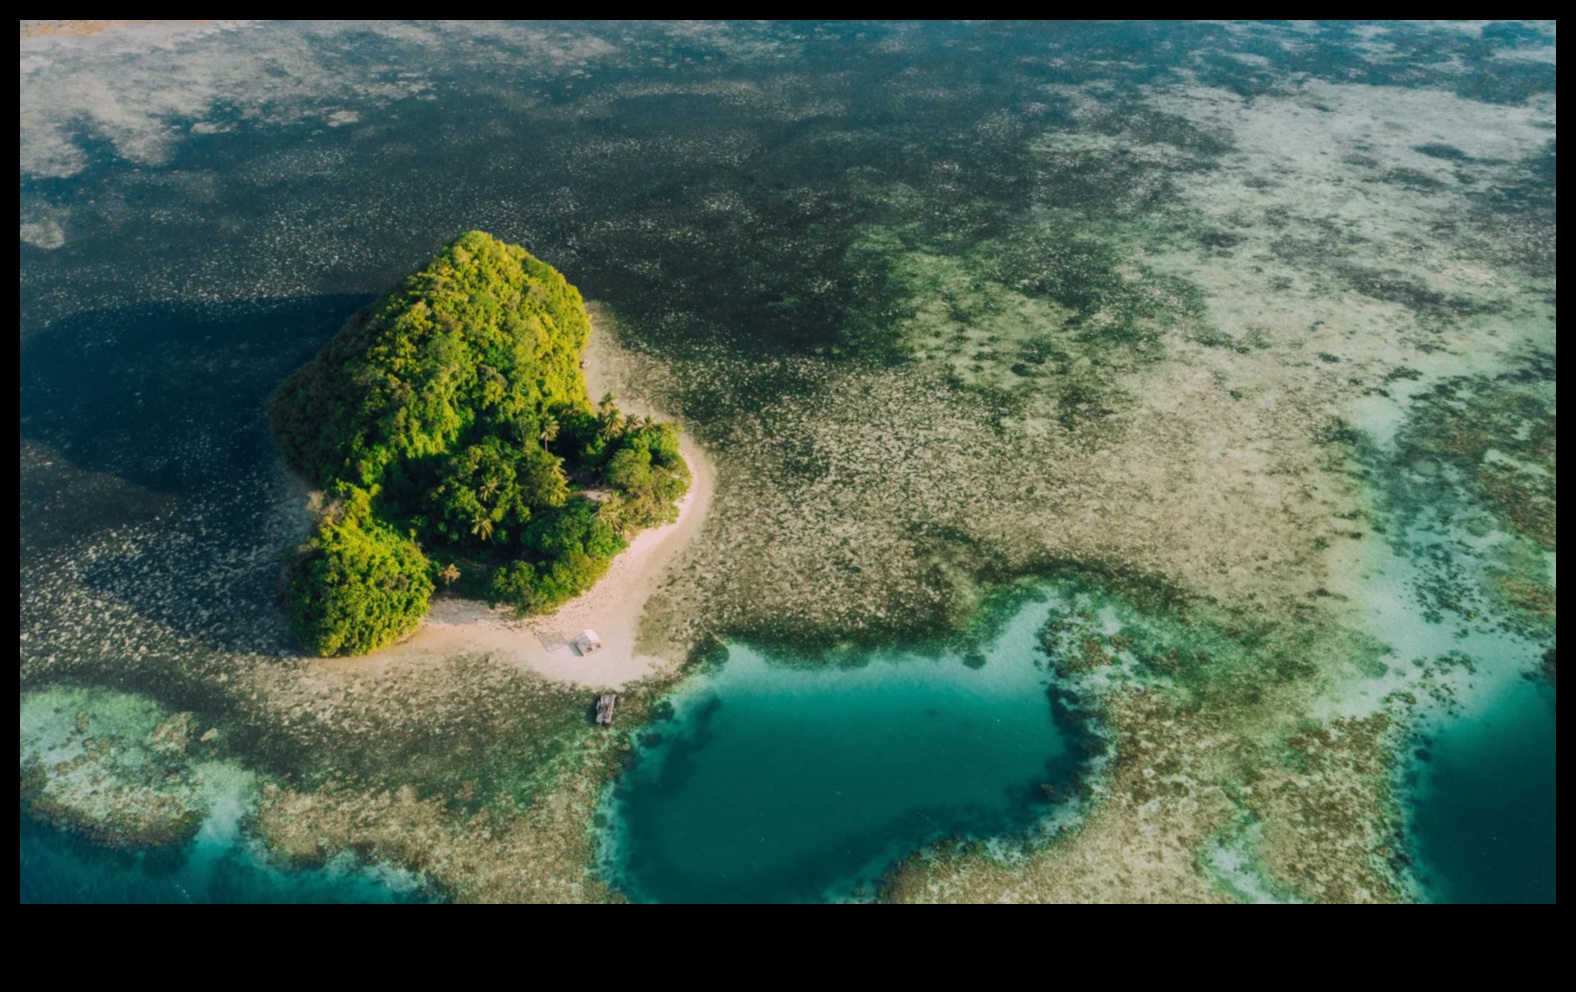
(1484, 814)
(215, 867)
(800, 782)
(950, 304)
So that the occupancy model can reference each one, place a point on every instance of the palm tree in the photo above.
(549, 430)
(609, 418)
(483, 528)
(450, 574)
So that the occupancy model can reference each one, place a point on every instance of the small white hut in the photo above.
(588, 642)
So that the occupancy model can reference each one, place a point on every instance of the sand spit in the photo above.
(613, 607)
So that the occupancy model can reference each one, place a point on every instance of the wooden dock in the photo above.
(604, 708)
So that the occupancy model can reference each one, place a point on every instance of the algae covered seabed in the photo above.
(1220, 355)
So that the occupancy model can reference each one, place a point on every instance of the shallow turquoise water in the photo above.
(783, 784)
(58, 867)
(1483, 817)
(1481, 798)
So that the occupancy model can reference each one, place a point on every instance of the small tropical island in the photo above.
(450, 432)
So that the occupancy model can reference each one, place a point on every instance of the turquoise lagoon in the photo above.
(779, 781)
(1483, 813)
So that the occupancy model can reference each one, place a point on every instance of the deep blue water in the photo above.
(1483, 818)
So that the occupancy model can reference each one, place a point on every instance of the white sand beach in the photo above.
(612, 607)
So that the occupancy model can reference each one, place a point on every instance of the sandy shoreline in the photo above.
(613, 607)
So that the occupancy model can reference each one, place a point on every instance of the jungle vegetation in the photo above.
(449, 425)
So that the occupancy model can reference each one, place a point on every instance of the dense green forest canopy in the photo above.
(450, 426)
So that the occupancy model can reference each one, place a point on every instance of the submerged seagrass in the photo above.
(450, 426)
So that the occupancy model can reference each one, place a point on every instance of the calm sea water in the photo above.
(58, 867)
(1483, 819)
(781, 783)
